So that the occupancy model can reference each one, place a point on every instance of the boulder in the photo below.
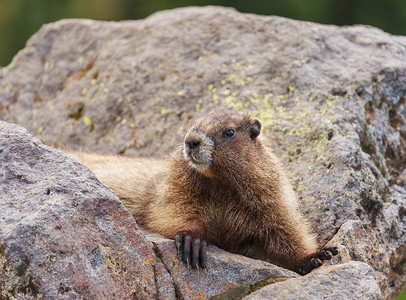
(65, 235)
(332, 99)
(351, 280)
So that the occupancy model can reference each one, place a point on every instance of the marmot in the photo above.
(224, 185)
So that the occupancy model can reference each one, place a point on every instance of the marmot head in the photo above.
(221, 142)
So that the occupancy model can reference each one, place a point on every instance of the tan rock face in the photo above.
(332, 100)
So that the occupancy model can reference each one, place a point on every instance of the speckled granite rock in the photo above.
(226, 272)
(352, 280)
(63, 235)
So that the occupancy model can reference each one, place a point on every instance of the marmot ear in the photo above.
(255, 129)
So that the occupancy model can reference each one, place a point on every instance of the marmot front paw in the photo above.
(193, 250)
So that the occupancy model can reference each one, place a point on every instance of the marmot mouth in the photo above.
(197, 164)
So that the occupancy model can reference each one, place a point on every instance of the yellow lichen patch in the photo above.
(87, 121)
(40, 130)
(380, 77)
(267, 116)
(229, 100)
(197, 107)
(180, 93)
(231, 76)
(280, 109)
(165, 111)
(123, 121)
(46, 65)
(233, 103)
(180, 130)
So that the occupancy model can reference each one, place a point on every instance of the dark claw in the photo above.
(193, 250)
(186, 249)
(178, 240)
(203, 255)
(195, 253)
(333, 250)
(327, 253)
(316, 261)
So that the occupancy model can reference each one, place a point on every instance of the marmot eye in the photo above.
(228, 133)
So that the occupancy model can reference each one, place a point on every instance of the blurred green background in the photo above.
(19, 19)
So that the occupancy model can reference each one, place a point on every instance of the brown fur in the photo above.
(242, 203)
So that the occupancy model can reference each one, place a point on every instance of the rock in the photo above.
(352, 280)
(63, 234)
(333, 100)
(226, 273)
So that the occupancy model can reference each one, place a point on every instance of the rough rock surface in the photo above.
(64, 235)
(229, 273)
(351, 280)
(332, 99)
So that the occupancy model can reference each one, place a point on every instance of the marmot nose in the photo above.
(193, 145)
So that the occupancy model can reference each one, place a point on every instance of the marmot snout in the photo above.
(198, 149)
(224, 185)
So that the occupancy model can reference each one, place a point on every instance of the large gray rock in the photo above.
(226, 274)
(352, 280)
(63, 235)
(332, 99)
